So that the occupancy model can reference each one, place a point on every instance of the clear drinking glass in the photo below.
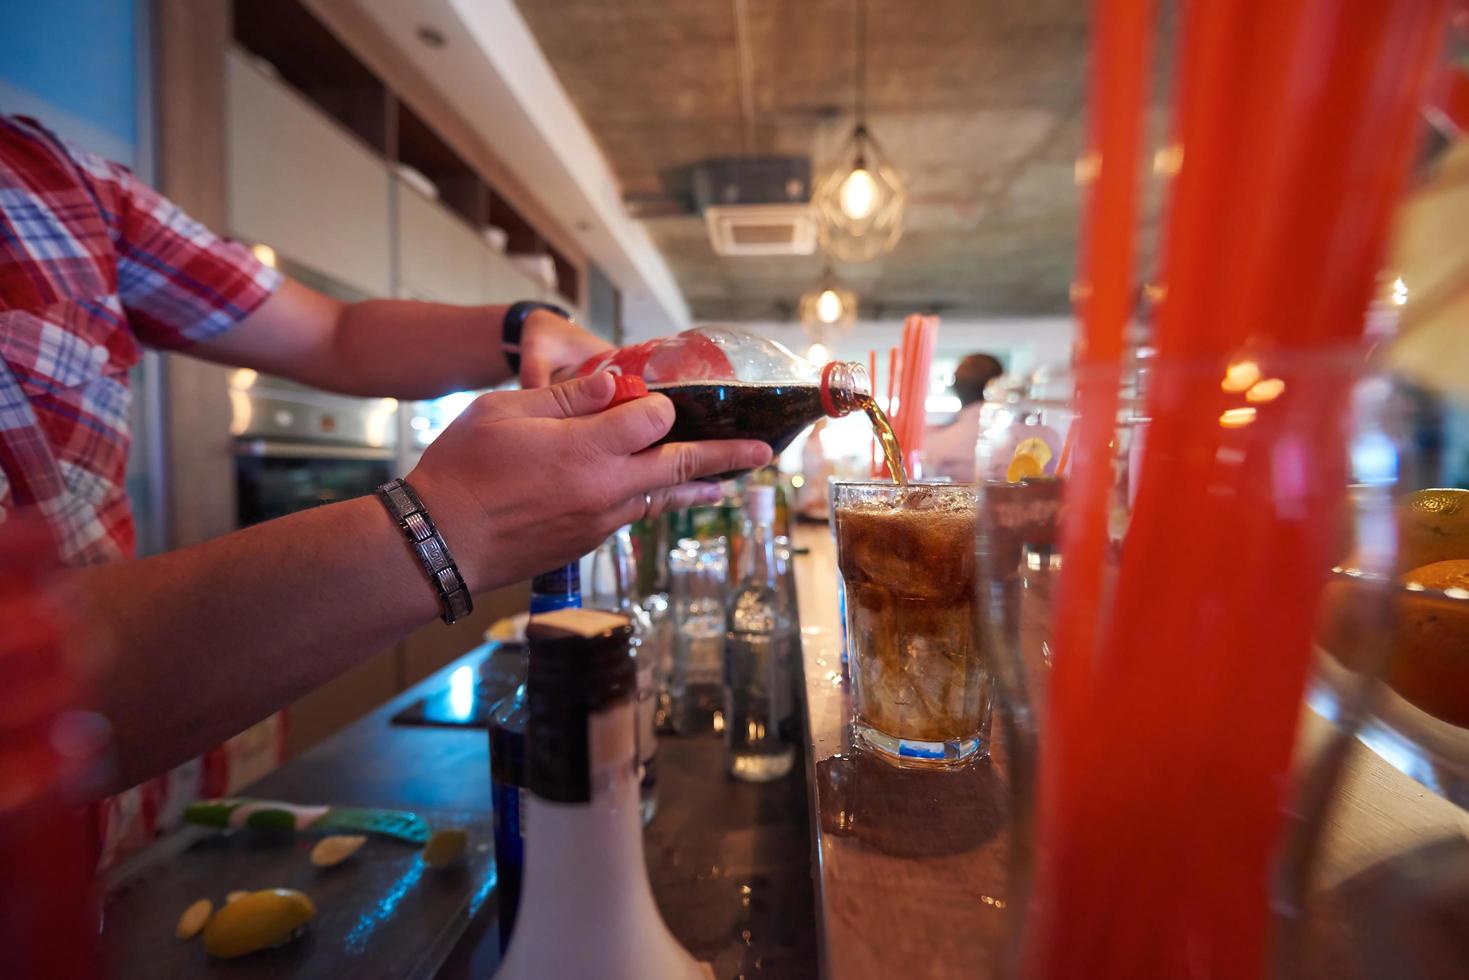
(699, 577)
(1172, 747)
(920, 678)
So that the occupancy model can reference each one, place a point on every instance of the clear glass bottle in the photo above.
(646, 656)
(785, 568)
(587, 909)
(700, 579)
(758, 641)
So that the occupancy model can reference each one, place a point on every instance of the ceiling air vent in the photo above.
(756, 205)
(761, 229)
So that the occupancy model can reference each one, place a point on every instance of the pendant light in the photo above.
(828, 311)
(859, 202)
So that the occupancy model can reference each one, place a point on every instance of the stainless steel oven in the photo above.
(297, 448)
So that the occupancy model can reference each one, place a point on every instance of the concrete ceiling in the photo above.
(978, 102)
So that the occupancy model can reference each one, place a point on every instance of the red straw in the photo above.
(1064, 456)
(912, 325)
(1297, 120)
(929, 337)
(913, 422)
(1108, 171)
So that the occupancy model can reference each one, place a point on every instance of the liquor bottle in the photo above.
(758, 644)
(651, 545)
(559, 588)
(727, 383)
(785, 568)
(646, 656)
(507, 801)
(586, 909)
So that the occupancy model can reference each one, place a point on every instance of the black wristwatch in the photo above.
(514, 326)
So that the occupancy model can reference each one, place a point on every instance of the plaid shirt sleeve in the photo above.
(178, 281)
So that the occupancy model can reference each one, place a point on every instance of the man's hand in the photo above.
(524, 481)
(549, 342)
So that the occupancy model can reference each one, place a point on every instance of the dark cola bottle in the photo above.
(727, 383)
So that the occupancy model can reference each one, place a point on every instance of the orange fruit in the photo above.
(1430, 666)
(1433, 526)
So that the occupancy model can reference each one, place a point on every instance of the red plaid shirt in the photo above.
(93, 265)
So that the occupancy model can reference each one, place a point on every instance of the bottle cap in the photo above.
(584, 650)
(760, 503)
(625, 388)
(845, 386)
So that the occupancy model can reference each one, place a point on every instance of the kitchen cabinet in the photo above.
(300, 183)
(439, 256)
(502, 282)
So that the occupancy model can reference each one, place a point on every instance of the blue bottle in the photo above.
(507, 783)
(559, 588)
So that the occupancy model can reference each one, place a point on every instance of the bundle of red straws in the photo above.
(907, 391)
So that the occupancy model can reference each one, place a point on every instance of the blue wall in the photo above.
(74, 65)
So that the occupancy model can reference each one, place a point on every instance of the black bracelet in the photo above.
(514, 326)
(428, 544)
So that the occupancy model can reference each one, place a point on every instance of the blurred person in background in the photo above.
(206, 640)
(950, 448)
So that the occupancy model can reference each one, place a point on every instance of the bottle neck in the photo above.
(624, 570)
(845, 388)
(757, 557)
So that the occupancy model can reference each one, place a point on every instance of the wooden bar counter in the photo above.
(911, 865)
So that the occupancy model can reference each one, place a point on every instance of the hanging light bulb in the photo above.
(828, 310)
(859, 203)
(858, 194)
(829, 306)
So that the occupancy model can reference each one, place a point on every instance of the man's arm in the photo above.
(209, 639)
(389, 347)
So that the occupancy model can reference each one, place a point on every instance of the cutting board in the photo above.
(381, 913)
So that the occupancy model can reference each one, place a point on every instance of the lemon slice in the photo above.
(1024, 468)
(193, 919)
(258, 921)
(1037, 448)
(510, 630)
(1029, 461)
